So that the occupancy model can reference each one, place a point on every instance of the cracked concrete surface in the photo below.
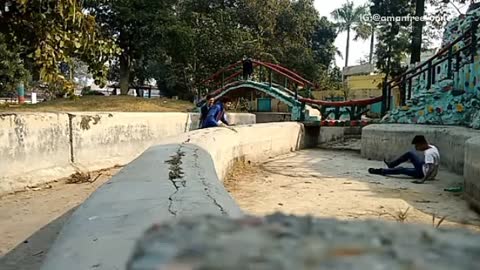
(175, 175)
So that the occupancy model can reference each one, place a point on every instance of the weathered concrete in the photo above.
(280, 242)
(34, 148)
(41, 147)
(180, 177)
(389, 141)
(330, 134)
(102, 140)
(472, 171)
(268, 117)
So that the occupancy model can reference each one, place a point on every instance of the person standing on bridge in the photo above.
(247, 68)
(425, 168)
(210, 101)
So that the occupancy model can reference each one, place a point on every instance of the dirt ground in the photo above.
(31, 220)
(326, 183)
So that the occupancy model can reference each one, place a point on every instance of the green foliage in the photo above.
(205, 36)
(176, 42)
(348, 18)
(394, 38)
(53, 32)
(12, 69)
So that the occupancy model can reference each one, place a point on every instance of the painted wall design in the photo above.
(453, 101)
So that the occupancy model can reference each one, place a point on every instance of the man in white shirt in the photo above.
(425, 168)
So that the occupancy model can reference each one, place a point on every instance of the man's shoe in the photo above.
(389, 165)
(418, 181)
(375, 171)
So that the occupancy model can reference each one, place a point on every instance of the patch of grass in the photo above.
(400, 216)
(434, 216)
(105, 104)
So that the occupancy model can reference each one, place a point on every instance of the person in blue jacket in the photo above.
(216, 114)
(205, 108)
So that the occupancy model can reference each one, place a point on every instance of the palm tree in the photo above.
(364, 31)
(348, 18)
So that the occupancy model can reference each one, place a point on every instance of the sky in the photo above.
(358, 49)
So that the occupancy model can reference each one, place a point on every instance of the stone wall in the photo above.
(40, 147)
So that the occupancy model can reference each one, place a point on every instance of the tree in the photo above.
(365, 30)
(50, 33)
(348, 18)
(416, 47)
(12, 69)
(394, 38)
(141, 28)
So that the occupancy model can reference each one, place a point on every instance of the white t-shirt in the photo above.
(432, 156)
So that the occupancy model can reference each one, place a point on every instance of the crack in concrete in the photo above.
(174, 174)
(215, 202)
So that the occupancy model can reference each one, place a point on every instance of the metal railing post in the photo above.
(410, 85)
(384, 95)
(449, 67)
(429, 75)
(270, 77)
(474, 41)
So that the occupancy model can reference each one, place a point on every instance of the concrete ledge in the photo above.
(280, 242)
(40, 147)
(389, 141)
(472, 172)
(180, 177)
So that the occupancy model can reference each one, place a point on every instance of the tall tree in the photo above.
(394, 38)
(348, 18)
(417, 32)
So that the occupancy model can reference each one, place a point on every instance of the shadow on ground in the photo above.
(29, 254)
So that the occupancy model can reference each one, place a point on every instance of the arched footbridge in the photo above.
(283, 84)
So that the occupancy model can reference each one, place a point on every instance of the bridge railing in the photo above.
(453, 53)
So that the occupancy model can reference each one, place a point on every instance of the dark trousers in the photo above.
(414, 158)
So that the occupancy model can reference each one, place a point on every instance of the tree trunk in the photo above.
(372, 44)
(124, 73)
(417, 33)
(348, 47)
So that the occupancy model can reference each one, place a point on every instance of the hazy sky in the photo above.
(358, 49)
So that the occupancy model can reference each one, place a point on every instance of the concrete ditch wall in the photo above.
(459, 149)
(39, 147)
(180, 177)
(389, 141)
(472, 171)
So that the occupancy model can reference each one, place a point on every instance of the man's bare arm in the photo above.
(430, 170)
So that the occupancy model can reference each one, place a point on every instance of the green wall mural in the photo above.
(453, 101)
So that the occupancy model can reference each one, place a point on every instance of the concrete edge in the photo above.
(69, 139)
(180, 177)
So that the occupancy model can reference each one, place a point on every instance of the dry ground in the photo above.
(326, 183)
(31, 220)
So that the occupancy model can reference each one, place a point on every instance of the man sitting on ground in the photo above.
(425, 168)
